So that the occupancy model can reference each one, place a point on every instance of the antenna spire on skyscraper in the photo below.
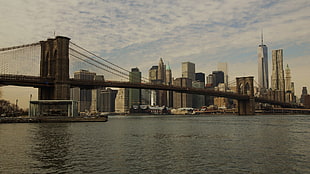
(262, 37)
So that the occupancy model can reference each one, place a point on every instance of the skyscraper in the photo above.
(121, 101)
(287, 78)
(168, 75)
(108, 100)
(200, 77)
(159, 75)
(153, 73)
(210, 80)
(97, 103)
(134, 94)
(262, 52)
(218, 77)
(188, 70)
(169, 82)
(153, 78)
(222, 66)
(182, 99)
(83, 96)
(289, 88)
(198, 100)
(161, 71)
(162, 95)
(304, 93)
(277, 77)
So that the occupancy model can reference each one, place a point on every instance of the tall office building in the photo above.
(169, 82)
(198, 100)
(262, 52)
(97, 103)
(107, 98)
(209, 82)
(121, 101)
(218, 77)
(288, 78)
(168, 75)
(200, 77)
(181, 100)
(153, 78)
(134, 94)
(222, 66)
(159, 75)
(188, 70)
(153, 73)
(293, 91)
(304, 93)
(83, 96)
(161, 71)
(188, 73)
(289, 85)
(277, 77)
(162, 95)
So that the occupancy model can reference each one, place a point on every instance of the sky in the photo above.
(137, 33)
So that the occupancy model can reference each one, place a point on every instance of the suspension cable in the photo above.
(20, 46)
(142, 78)
(99, 57)
(123, 76)
(97, 61)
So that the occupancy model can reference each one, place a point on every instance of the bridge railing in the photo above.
(99, 83)
(25, 80)
(278, 103)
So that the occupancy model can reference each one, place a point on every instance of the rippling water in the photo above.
(159, 144)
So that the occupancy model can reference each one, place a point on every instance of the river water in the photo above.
(159, 144)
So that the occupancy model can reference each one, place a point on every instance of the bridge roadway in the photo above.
(39, 82)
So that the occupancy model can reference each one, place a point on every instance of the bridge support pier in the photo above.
(246, 107)
(245, 86)
(55, 64)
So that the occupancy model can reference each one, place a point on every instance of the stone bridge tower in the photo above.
(245, 86)
(55, 64)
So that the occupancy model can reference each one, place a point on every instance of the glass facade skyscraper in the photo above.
(134, 94)
(262, 53)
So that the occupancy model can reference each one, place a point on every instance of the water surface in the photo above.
(159, 144)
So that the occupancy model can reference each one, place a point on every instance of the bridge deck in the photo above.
(38, 82)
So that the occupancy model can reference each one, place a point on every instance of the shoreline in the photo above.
(54, 119)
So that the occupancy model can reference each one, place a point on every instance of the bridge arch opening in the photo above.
(55, 52)
(241, 91)
(247, 89)
(45, 64)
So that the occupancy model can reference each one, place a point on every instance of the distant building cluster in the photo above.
(138, 100)
(282, 87)
(93, 100)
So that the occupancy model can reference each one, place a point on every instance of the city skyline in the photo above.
(204, 33)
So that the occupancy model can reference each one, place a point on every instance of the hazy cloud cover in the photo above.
(136, 33)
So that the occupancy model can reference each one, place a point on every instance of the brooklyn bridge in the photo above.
(59, 56)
